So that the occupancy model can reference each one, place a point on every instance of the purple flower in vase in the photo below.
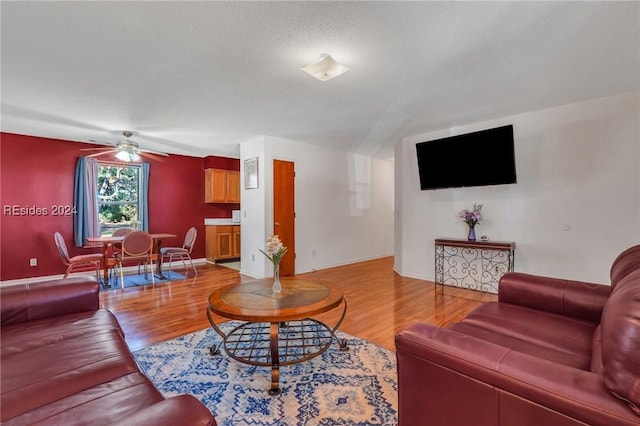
(471, 217)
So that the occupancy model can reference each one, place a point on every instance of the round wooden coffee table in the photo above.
(277, 329)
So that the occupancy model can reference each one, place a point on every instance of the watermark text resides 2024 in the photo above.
(54, 210)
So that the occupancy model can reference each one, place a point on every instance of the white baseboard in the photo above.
(126, 270)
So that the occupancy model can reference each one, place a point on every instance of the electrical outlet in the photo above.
(33, 261)
(496, 269)
(253, 257)
(313, 253)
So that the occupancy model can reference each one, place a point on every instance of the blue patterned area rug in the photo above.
(354, 387)
(141, 280)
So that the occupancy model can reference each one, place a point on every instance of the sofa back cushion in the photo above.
(626, 262)
(621, 341)
(47, 299)
(596, 351)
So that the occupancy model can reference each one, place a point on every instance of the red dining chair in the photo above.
(181, 253)
(79, 261)
(136, 246)
(120, 232)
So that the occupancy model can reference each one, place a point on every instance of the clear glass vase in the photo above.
(277, 287)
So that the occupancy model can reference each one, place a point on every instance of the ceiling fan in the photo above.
(127, 150)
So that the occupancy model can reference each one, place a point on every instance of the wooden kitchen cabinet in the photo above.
(233, 186)
(236, 241)
(223, 242)
(221, 186)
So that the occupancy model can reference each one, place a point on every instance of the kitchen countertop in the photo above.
(220, 221)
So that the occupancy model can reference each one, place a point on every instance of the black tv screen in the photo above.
(486, 157)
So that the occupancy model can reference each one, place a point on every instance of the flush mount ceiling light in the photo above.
(325, 69)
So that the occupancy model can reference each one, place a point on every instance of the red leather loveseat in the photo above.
(548, 352)
(64, 361)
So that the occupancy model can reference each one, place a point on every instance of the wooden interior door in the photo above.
(284, 212)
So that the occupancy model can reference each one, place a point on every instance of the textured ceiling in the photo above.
(198, 78)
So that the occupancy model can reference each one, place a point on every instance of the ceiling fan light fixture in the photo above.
(124, 156)
(127, 153)
(325, 69)
(126, 150)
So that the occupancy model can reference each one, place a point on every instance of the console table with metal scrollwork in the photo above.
(475, 265)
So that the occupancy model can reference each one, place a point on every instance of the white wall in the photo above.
(252, 212)
(576, 204)
(343, 202)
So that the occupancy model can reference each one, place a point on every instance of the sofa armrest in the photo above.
(440, 370)
(27, 302)
(576, 299)
(178, 410)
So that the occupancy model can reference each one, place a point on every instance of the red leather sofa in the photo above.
(548, 352)
(64, 361)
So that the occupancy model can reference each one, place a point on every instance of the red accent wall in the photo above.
(224, 163)
(38, 173)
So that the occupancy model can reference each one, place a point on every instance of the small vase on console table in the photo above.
(472, 233)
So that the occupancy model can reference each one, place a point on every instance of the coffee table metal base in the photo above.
(277, 344)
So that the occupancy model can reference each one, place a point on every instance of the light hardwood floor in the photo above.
(380, 302)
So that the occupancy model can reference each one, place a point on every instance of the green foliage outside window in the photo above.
(118, 189)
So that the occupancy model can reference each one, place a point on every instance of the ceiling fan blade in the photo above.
(99, 153)
(153, 156)
(106, 148)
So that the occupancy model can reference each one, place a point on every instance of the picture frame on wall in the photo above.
(251, 173)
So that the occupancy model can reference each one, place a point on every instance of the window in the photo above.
(119, 200)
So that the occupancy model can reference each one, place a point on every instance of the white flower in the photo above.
(273, 245)
(274, 250)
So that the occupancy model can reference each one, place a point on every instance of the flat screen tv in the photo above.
(486, 157)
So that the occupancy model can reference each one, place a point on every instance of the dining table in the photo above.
(107, 242)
